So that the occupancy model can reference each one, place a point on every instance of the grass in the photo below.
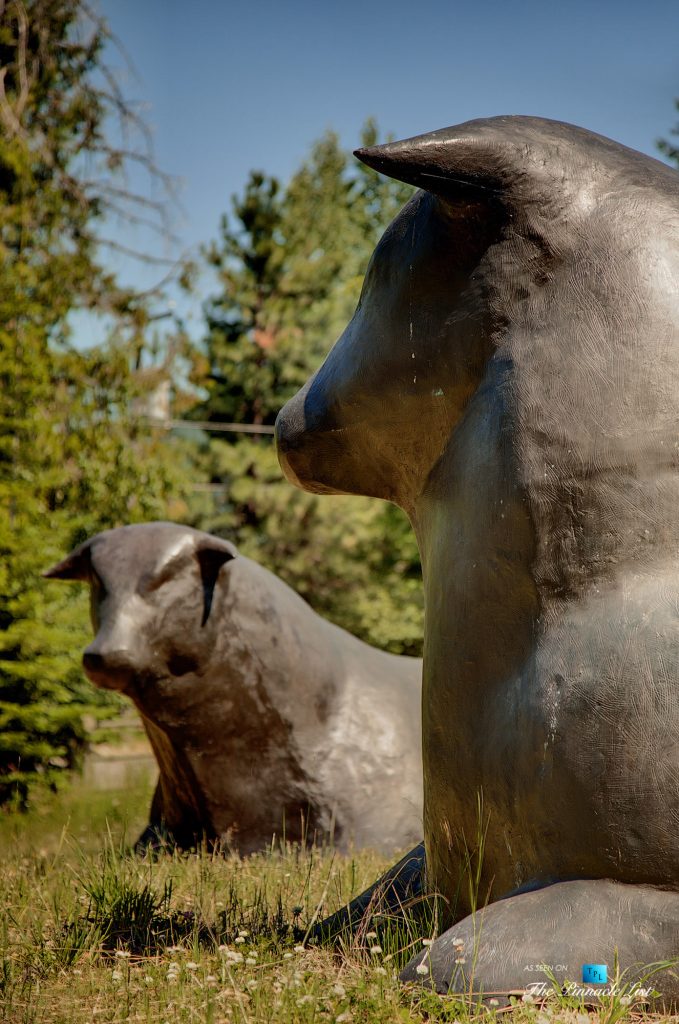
(91, 934)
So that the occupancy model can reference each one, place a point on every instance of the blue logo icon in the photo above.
(594, 974)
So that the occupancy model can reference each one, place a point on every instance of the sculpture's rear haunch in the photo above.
(265, 719)
(511, 379)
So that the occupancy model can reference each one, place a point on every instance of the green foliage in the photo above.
(290, 264)
(667, 148)
(71, 461)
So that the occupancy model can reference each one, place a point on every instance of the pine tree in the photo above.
(70, 460)
(290, 264)
(667, 148)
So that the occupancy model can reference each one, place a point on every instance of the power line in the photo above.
(209, 427)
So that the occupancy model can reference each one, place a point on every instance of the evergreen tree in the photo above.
(670, 149)
(70, 460)
(290, 264)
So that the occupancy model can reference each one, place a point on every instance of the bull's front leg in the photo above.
(570, 934)
(397, 894)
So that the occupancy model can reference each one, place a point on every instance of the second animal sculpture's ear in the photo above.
(76, 566)
(212, 553)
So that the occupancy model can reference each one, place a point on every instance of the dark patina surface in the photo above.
(511, 379)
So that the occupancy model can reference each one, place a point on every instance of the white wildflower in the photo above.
(251, 961)
(422, 968)
(240, 940)
(339, 990)
(371, 935)
(427, 942)
(299, 949)
(375, 950)
(116, 975)
(527, 998)
(123, 954)
(192, 965)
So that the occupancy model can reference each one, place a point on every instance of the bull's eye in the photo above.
(181, 664)
(170, 571)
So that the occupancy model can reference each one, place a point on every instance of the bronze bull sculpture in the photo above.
(265, 719)
(511, 379)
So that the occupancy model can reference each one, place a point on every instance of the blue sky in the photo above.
(233, 86)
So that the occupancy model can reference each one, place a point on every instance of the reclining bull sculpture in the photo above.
(265, 719)
(511, 379)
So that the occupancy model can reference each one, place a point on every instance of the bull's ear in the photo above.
(76, 566)
(494, 156)
(212, 553)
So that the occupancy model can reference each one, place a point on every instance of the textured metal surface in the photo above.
(511, 379)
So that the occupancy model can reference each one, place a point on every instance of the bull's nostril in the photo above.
(93, 662)
(181, 664)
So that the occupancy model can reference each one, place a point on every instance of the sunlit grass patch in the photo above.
(89, 933)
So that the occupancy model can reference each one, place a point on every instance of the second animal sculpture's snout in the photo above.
(108, 669)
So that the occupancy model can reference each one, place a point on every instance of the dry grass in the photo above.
(91, 934)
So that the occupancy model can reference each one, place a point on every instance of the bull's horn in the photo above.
(522, 155)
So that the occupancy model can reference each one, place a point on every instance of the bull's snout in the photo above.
(306, 429)
(110, 670)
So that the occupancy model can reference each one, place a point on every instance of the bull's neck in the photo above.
(516, 522)
(477, 545)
